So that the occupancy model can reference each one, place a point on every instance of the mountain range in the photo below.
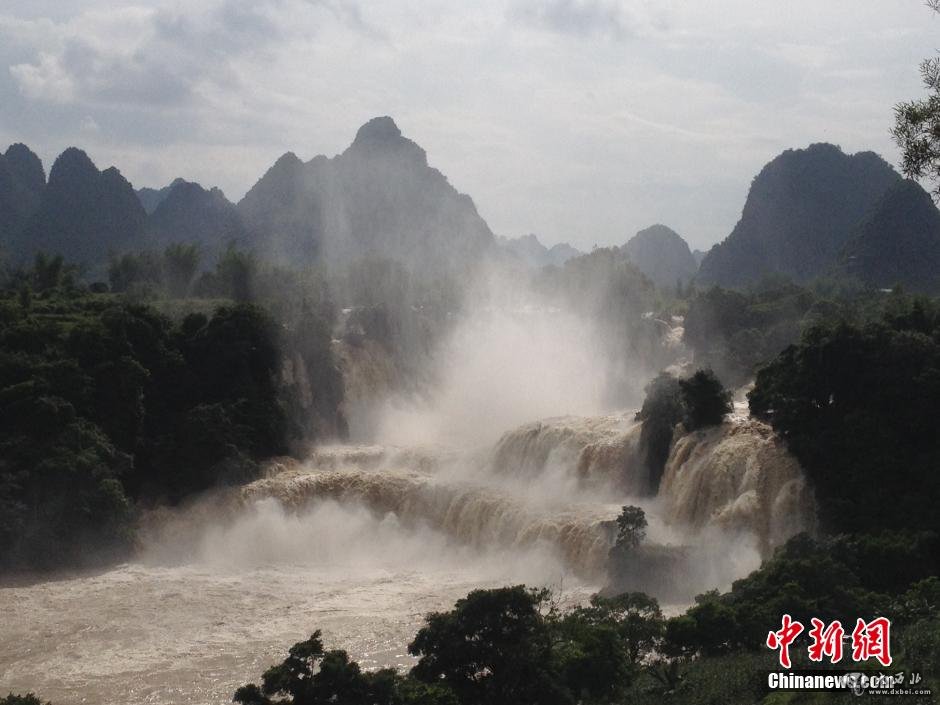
(377, 198)
(809, 213)
(529, 250)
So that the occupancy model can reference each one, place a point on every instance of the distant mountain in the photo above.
(377, 198)
(800, 211)
(529, 250)
(897, 243)
(150, 198)
(22, 181)
(191, 214)
(698, 256)
(84, 213)
(662, 255)
(561, 253)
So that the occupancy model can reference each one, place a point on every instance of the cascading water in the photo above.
(737, 476)
(362, 541)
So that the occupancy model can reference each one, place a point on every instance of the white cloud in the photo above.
(577, 119)
(45, 80)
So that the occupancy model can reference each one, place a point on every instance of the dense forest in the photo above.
(109, 404)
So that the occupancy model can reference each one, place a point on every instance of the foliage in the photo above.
(507, 645)
(662, 409)
(28, 699)
(631, 528)
(697, 402)
(733, 332)
(705, 401)
(917, 126)
(312, 676)
(856, 406)
(147, 274)
(840, 577)
(104, 403)
(494, 648)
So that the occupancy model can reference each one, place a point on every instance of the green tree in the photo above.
(135, 272)
(48, 272)
(493, 648)
(705, 400)
(631, 527)
(310, 675)
(917, 124)
(662, 410)
(237, 271)
(857, 407)
(180, 264)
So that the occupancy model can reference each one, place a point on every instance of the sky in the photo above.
(578, 120)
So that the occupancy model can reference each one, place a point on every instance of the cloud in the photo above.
(580, 120)
(164, 56)
(89, 124)
(585, 17)
(143, 55)
(45, 80)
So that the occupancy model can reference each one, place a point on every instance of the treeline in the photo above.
(856, 405)
(106, 404)
(516, 646)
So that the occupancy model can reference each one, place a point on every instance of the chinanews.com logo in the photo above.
(868, 641)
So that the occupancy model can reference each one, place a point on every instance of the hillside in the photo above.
(378, 198)
(897, 243)
(22, 180)
(150, 198)
(529, 250)
(800, 211)
(662, 255)
(191, 214)
(83, 214)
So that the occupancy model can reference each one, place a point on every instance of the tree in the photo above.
(697, 402)
(130, 271)
(28, 699)
(47, 272)
(236, 271)
(311, 675)
(603, 647)
(631, 528)
(917, 124)
(662, 410)
(180, 263)
(706, 401)
(493, 648)
(857, 407)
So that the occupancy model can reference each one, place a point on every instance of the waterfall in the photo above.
(738, 476)
(475, 515)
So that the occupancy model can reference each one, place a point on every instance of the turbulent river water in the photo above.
(363, 541)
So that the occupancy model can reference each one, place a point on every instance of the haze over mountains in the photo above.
(378, 198)
(662, 255)
(809, 213)
(531, 252)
